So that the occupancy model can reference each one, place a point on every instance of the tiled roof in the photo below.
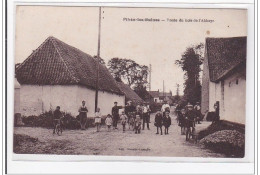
(224, 54)
(57, 63)
(154, 94)
(129, 93)
(165, 94)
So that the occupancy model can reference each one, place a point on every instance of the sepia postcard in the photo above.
(128, 81)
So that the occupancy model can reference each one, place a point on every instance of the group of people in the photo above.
(188, 116)
(135, 116)
(131, 115)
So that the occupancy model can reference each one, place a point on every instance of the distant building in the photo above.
(130, 94)
(57, 74)
(165, 96)
(155, 96)
(159, 97)
(224, 78)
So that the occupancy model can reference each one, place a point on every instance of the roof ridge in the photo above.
(73, 77)
(34, 51)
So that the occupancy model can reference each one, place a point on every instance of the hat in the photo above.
(189, 106)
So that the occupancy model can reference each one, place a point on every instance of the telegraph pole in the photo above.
(150, 78)
(98, 56)
(163, 91)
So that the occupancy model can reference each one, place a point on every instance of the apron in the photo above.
(83, 116)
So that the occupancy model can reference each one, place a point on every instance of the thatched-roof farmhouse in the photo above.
(57, 74)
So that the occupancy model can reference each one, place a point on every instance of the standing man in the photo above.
(115, 114)
(146, 116)
(216, 117)
(190, 117)
(83, 115)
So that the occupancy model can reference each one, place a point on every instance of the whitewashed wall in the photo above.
(105, 100)
(235, 98)
(35, 100)
(156, 99)
(38, 99)
(16, 96)
(214, 94)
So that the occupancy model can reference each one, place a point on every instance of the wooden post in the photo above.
(98, 57)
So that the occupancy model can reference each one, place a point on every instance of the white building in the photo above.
(224, 78)
(57, 74)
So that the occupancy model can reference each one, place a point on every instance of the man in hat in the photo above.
(115, 114)
(83, 110)
(130, 109)
(190, 115)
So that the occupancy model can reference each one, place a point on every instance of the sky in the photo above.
(159, 43)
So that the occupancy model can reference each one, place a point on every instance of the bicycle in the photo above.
(58, 126)
(189, 132)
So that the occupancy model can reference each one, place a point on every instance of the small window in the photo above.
(237, 81)
(229, 84)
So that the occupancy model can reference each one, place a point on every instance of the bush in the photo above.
(220, 125)
(229, 142)
(46, 120)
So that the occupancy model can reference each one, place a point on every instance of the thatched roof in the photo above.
(224, 54)
(57, 63)
(129, 93)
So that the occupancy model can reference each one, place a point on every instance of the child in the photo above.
(109, 122)
(138, 124)
(123, 118)
(98, 119)
(166, 122)
(158, 121)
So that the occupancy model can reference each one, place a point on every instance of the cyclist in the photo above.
(56, 117)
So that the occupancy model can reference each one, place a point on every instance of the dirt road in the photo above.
(90, 142)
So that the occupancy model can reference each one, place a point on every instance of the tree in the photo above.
(141, 91)
(190, 63)
(101, 61)
(128, 71)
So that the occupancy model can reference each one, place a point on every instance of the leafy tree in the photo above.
(141, 91)
(190, 63)
(128, 71)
